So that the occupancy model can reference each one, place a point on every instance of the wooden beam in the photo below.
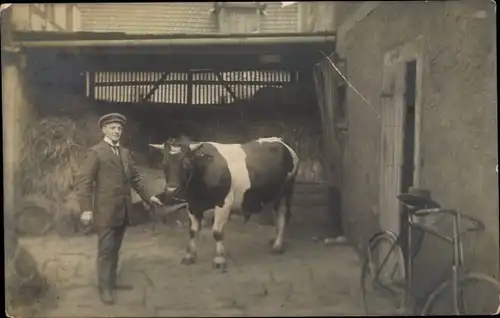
(228, 88)
(245, 40)
(155, 87)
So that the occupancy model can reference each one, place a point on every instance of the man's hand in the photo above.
(86, 217)
(154, 199)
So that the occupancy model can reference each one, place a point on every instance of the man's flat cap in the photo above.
(112, 118)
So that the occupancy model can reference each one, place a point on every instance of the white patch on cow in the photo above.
(175, 150)
(195, 227)
(221, 217)
(240, 179)
(191, 253)
(294, 155)
(269, 139)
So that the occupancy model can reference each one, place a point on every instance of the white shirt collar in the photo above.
(106, 139)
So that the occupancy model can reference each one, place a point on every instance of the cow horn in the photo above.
(157, 146)
(195, 146)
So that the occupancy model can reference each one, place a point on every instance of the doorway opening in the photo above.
(408, 166)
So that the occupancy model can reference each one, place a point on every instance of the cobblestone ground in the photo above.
(309, 279)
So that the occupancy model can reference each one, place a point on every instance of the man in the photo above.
(108, 173)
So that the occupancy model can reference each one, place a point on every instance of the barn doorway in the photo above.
(224, 93)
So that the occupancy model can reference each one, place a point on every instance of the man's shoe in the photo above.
(107, 297)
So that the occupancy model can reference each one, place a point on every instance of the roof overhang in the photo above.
(153, 52)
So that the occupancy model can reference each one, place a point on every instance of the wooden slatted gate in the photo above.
(192, 88)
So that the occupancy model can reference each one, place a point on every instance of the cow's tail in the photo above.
(246, 218)
(290, 183)
(288, 200)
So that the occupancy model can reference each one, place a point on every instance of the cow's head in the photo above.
(180, 160)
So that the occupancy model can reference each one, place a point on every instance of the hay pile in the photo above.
(51, 157)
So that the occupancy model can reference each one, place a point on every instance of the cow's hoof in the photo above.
(271, 241)
(220, 264)
(278, 250)
(188, 259)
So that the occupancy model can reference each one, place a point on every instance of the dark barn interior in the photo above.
(223, 89)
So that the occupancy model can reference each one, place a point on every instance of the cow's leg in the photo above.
(282, 215)
(194, 230)
(280, 220)
(221, 216)
(275, 208)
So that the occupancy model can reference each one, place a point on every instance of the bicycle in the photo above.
(398, 283)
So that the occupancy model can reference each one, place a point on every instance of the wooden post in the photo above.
(6, 28)
(9, 117)
(257, 18)
(190, 89)
(69, 17)
(91, 83)
(18, 114)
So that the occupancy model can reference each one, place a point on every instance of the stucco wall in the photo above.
(345, 9)
(459, 113)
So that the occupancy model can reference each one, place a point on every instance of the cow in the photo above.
(241, 178)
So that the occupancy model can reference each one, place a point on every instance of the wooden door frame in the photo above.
(394, 65)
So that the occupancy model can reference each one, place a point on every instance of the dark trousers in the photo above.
(109, 243)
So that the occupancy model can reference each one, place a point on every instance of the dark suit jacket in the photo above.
(105, 185)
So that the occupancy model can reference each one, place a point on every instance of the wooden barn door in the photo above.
(392, 115)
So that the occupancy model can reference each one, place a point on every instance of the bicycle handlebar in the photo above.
(478, 225)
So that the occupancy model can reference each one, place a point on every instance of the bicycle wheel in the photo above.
(385, 293)
(479, 294)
